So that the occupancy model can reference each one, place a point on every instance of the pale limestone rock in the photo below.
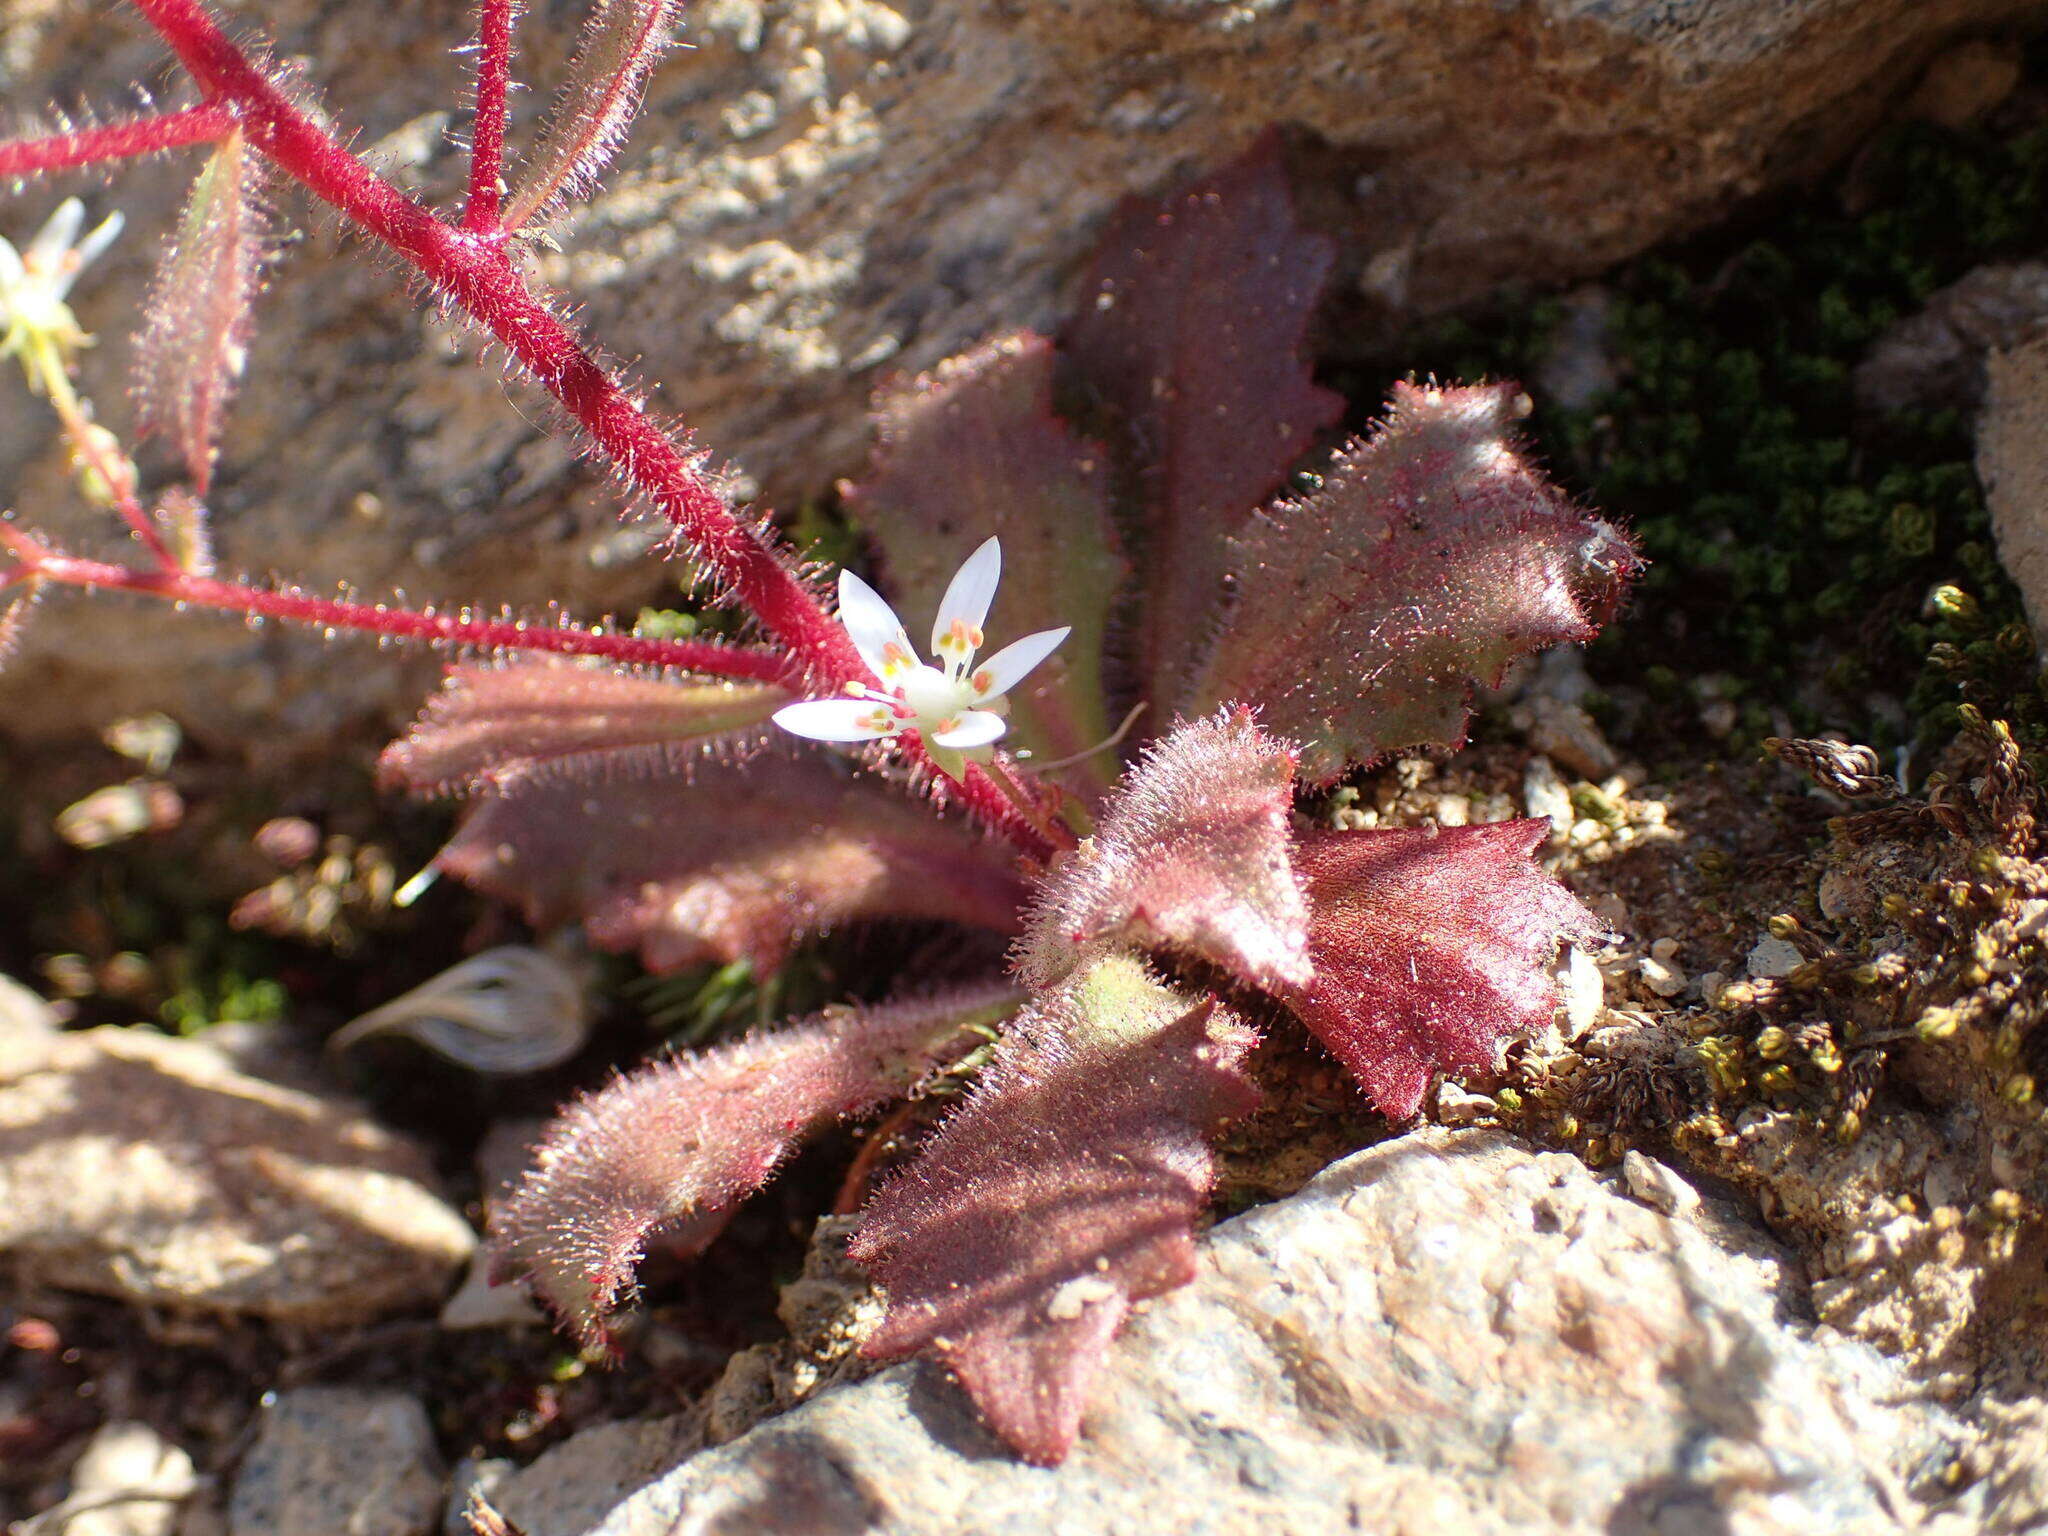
(1447, 1332)
(148, 1168)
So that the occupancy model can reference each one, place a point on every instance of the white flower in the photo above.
(955, 707)
(36, 325)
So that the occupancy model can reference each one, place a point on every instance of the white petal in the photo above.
(56, 235)
(1008, 667)
(94, 245)
(874, 627)
(11, 270)
(837, 720)
(970, 592)
(971, 728)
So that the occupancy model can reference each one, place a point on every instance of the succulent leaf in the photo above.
(1432, 949)
(621, 42)
(490, 726)
(1190, 855)
(1433, 555)
(677, 1144)
(743, 862)
(973, 449)
(1064, 1190)
(194, 342)
(1191, 335)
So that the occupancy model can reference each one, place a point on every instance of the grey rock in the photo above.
(339, 1461)
(572, 1487)
(821, 187)
(148, 1168)
(1937, 358)
(1447, 1332)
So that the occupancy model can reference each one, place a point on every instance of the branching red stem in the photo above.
(707, 657)
(116, 141)
(481, 214)
(478, 276)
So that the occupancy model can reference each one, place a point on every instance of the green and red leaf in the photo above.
(739, 860)
(1191, 336)
(1432, 949)
(1190, 856)
(1065, 1189)
(673, 1147)
(1433, 555)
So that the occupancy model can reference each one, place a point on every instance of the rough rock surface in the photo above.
(332, 1460)
(824, 187)
(147, 1168)
(1448, 1332)
(2012, 461)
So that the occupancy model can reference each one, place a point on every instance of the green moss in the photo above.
(1774, 517)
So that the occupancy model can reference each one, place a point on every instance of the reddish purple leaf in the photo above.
(195, 340)
(1191, 332)
(1432, 949)
(973, 449)
(490, 726)
(1065, 1189)
(677, 1144)
(1433, 555)
(1190, 855)
(740, 860)
(622, 41)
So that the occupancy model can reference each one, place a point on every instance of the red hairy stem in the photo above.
(707, 657)
(477, 275)
(116, 141)
(482, 213)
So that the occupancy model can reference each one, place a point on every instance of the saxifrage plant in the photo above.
(641, 785)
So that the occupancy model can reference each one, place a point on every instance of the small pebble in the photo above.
(1662, 977)
(1658, 1187)
(1456, 1106)
(129, 1481)
(1773, 958)
(1585, 992)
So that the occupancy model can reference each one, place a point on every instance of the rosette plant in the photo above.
(1115, 791)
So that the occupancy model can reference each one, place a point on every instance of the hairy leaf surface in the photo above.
(972, 449)
(622, 41)
(1190, 855)
(490, 726)
(1191, 333)
(195, 338)
(1432, 949)
(678, 1143)
(741, 860)
(1065, 1189)
(1433, 555)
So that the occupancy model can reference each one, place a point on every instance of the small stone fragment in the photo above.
(1661, 976)
(1545, 794)
(1584, 986)
(332, 1460)
(1658, 1186)
(129, 1481)
(1457, 1106)
(1774, 958)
